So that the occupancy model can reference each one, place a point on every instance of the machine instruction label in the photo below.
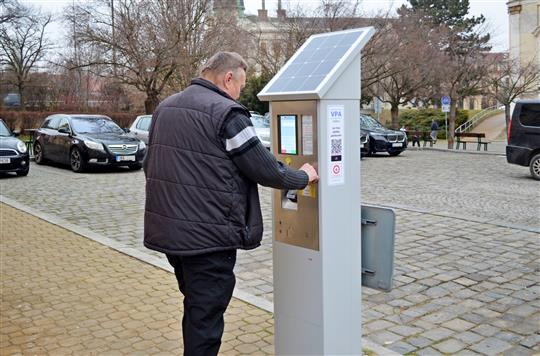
(307, 135)
(335, 140)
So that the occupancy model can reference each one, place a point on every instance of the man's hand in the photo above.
(311, 172)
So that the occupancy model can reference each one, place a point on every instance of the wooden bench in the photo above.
(424, 137)
(473, 135)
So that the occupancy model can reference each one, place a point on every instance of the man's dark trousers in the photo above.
(207, 283)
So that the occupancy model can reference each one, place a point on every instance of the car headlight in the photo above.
(94, 145)
(142, 145)
(21, 147)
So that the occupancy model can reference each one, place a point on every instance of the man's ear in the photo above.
(229, 77)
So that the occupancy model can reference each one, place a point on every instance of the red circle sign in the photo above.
(336, 169)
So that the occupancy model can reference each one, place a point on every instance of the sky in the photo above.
(495, 12)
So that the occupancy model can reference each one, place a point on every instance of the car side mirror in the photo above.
(127, 130)
(16, 132)
(64, 130)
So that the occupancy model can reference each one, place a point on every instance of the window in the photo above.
(64, 124)
(52, 123)
(530, 115)
(90, 124)
(144, 123)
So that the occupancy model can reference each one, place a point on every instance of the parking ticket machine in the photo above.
(315, 110)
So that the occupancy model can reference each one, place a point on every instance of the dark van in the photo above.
(524, 136)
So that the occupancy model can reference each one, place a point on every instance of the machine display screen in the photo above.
(287, 134)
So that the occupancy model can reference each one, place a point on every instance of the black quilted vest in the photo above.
(197, 200)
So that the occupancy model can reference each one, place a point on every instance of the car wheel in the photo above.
(394, 153)
(76, 161)
(23, 173)
(535, 167)
(135, 167)
(38, 153)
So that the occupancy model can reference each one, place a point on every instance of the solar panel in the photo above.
(314, 62)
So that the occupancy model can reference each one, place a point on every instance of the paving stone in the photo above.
(491, 346)
(428, 351)
(469, 337)
(450, 346)
(508, 337)
(531, 341)
(379, 325)
(401, 347)
(519, 350)
(419, 341)
(405, 330)
(437, 334)
(458, 325)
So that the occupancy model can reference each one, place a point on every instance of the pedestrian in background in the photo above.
(416, 137)
(434, 129)
(203, 163)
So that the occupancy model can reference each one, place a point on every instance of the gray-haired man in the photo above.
(203, 163)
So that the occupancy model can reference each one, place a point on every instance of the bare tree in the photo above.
(154, 41)
(465, 47)
(508, 80)
(408, 66)
(11, 10)
(23, 45)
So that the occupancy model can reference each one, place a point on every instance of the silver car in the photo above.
(139, 128)
(262, 127)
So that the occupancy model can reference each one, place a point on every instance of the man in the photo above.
(203, 163)
(434, 129)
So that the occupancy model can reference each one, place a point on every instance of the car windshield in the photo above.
(367, 122)
(260, 121)
(4, 131)
(95, 125)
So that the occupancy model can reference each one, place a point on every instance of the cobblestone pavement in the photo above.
(61, 295)
(462, 284)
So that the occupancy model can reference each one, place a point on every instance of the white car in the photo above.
(262, 127)
(139, 128)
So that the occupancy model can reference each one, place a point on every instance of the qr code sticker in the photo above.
(336, 146)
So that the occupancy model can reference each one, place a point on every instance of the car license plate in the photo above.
(125, 158)
(397, 144)
(4, 160)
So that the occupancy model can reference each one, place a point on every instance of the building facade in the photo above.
(524, 26)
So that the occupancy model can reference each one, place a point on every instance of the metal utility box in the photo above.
(378, 232)
(315, 109)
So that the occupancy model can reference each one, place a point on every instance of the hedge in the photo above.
(21, 120)
(421, 118)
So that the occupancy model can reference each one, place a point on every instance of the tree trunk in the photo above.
(452, 123)
(151, 102)
(20, 88)
(394, 110)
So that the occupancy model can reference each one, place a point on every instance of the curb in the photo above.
(486, 153)
(258, 302)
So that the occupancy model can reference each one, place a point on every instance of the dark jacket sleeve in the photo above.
(254, 160)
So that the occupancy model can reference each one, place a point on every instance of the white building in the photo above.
(524, 21)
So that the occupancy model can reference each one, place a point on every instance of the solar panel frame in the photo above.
(285, 82)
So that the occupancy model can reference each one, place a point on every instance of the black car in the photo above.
(380, 139)
(14, 155)
(83, 140)
(524, 136)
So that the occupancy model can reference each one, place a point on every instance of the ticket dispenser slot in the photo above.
(294, 127)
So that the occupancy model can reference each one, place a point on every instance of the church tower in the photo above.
(230, 7)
